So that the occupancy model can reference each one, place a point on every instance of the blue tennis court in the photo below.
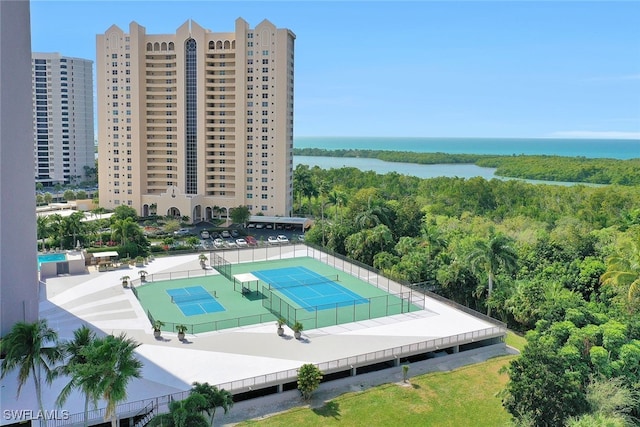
(194, 300)
(309, 289)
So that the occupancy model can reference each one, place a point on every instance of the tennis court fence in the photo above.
(342, 312)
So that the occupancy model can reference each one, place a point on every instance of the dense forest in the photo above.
(561, 264)
(546, 168)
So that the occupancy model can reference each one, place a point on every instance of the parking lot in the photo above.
(229, 237)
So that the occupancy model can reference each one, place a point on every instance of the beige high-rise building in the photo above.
(197, 122)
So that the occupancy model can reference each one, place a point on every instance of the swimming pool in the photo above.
(50, 258)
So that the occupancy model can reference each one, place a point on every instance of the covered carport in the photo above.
(285, 222)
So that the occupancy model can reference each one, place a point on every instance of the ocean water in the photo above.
(591, 148)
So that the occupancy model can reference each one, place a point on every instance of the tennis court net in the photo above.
(192, 297)
(297, 283)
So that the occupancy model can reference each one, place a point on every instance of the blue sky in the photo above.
(418, 68)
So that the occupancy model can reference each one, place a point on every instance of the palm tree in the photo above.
(42, 223)
(123, 228)
(215, 398)
(32, 348)
(337, 199)
(76, 364)
(489, 256)
(111, 364)
(623, 271)
(74, 225)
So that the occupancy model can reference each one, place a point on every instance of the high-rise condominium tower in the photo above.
(18, 262)
(197, 122)
(63, 118)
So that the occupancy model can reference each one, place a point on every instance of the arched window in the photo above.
(212, 45)
(171, 46)
(156, 46)
(218, 44)
(227, 45)
(233, 44)
(148, 47)
(163, 46)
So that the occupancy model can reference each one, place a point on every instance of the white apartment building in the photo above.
(63, 118)
(197, 122)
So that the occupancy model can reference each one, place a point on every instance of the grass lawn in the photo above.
(466, 396)
(515, 340)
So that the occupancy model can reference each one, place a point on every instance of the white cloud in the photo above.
(595, 134)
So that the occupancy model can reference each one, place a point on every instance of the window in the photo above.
(265, 61)
(265, 52)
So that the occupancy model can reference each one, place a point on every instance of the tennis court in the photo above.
(361, 300)
(194, 300)
(309, 289)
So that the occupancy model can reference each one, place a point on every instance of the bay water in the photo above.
(589, 148)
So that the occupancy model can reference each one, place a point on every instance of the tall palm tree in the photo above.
(32, 348)
(337, 199)
(215, 398)
(76, 365)
(43, 228)
(74, 226)
(111, 364)
(623, 271)
(123, 229)
(489, 256)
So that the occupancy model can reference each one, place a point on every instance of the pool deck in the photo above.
(99, 300)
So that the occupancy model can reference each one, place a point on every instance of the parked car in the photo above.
(225, 234)
(235, 233)
(259, 226)
(273, 240)
(251, 225)
(269, 226)
(205, 234)
(251, 240)
(241, 242)
(218, 243)
(282, 239)
(182, 232)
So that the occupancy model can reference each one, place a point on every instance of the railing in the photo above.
(216, 325)
(161, 403)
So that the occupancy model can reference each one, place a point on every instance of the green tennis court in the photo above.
(264, 305)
